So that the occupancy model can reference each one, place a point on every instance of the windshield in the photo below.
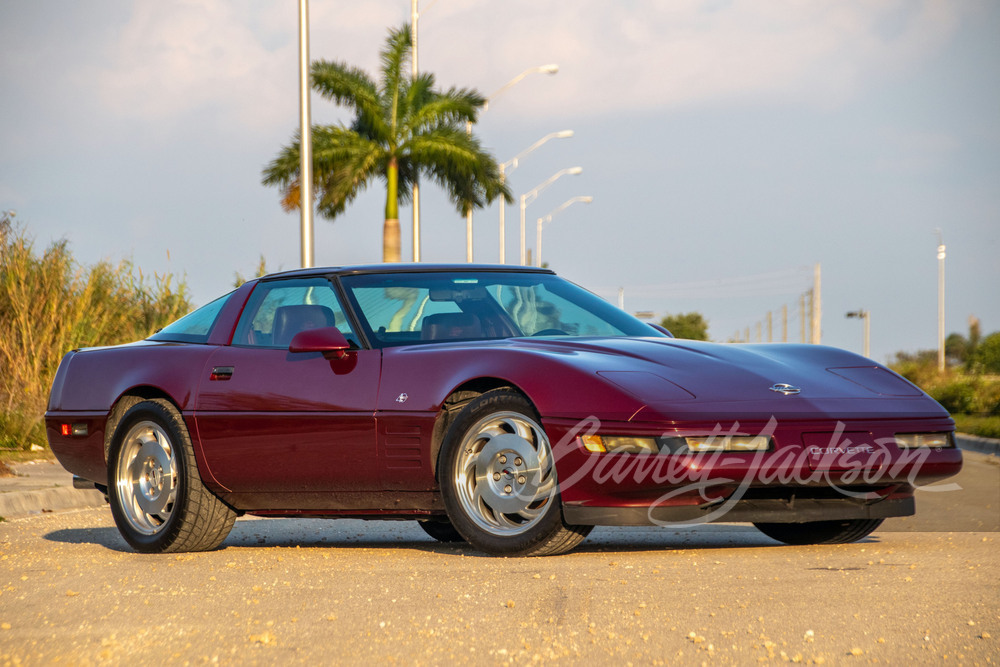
(412, 308)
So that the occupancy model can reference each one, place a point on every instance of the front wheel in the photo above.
(498, 480)
(820, 532)
(157, 497)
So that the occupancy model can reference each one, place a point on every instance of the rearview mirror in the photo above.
(327, 340)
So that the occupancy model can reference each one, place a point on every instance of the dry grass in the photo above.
(49, 305)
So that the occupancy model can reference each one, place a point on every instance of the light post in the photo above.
(531, 195)
(546, 219)
(940, 256)
(305, 141)
(866, 317)
(414, 17)
(542, 69)
(509, 166)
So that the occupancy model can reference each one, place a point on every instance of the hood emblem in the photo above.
(786, 389)
(402, 398)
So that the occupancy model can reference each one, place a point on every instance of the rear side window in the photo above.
(195, 327)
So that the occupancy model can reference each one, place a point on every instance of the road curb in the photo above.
(974, 443)
(42, 486)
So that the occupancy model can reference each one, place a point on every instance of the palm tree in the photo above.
(402, 127)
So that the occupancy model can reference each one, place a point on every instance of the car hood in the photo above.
(671, 376)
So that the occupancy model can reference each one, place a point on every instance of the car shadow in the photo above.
(407, 536)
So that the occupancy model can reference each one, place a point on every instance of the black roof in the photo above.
(406, 268)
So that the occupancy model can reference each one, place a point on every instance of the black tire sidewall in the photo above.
(180, 441)
(502, 400)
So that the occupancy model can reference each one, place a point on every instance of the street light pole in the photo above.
(530, 196)
(414, 17)
(940, 256)
(866, 318)
(305, 142)
(509, 166)
(548, 218)
(543, 69)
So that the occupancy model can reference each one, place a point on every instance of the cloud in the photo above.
(177, 57)
(651, 55)
(241, 58)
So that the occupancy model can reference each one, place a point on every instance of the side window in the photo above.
(194, 327)
(280, 309)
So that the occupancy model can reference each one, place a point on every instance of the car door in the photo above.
(274, 421)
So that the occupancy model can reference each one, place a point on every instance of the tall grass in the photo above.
(49, 304)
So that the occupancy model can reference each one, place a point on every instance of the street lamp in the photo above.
(542, 69)
(866, 316)
(414, 18)
(509, 166)
(530, 196)
(305, 142)
(940, 256)
(548, 218)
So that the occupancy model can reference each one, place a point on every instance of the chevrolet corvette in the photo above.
(501, 406)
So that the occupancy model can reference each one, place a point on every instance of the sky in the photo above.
(729, 146)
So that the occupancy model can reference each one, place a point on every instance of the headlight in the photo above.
(915, 440)
(616, 444)
(728, 443)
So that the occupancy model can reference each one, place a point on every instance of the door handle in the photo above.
(221, 373)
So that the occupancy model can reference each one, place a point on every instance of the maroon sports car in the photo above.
(506, 407)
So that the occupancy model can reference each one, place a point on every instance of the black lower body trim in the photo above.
(758, 510)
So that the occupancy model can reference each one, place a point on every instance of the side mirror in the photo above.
(327, 340)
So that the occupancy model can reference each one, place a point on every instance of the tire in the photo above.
(498, 480)
(157, 497)
(442, 531)
(820, 532)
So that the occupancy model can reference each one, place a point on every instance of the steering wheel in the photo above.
(550, 332)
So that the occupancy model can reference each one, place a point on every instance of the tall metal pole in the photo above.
(940, 256)
(802, 317)
(866, 318)
(524, 244)
(305, 142)
(513, 162)
(817, 319)
(503, 205)
(546, 219)
(545, 69)
(468, 212)
(414, 17)
(530, 197)
(868, 334)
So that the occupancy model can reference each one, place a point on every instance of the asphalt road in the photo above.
(920, 590)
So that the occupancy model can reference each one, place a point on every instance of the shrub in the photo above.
(957, 395)
(50, 305)
(983, 426)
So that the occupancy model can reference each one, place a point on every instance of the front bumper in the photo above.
(871, 479)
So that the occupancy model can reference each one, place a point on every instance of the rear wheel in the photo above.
(157, 497)
(820, 532)
(498, 480)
